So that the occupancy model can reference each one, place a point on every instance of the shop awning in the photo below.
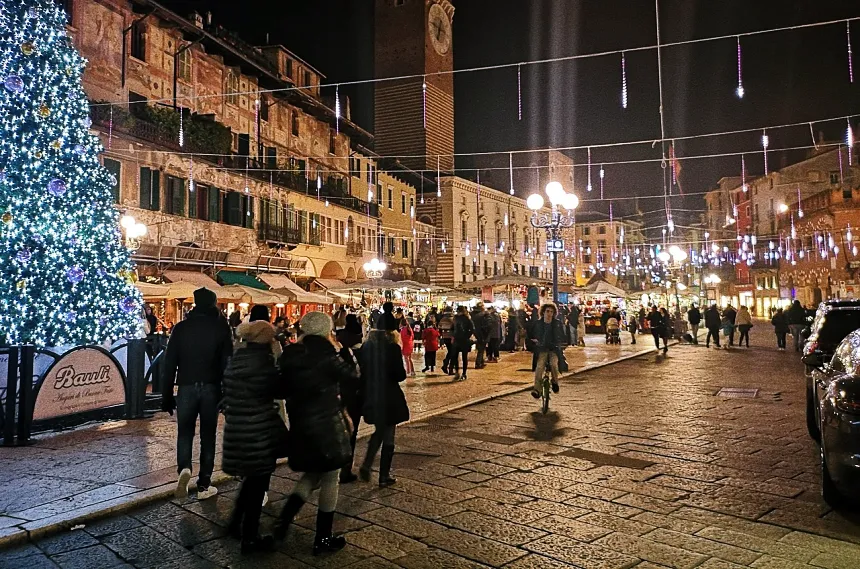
(606, 289)
(193, 277)
(240, 278)
(329, 283)
(148, 290)
(299, 295)
(504, 280)
(252, 295)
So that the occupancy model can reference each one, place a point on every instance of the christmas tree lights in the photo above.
(65, 276)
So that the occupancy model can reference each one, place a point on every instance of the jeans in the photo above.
(657, 333)
(327, 482)
(694, 330)
(249, 505)
(745, 333)
(796, 329)
(493, 348)
(199, 399)
(732, 336)
(456, 354)
(449, 352)
(574, 339)
(382, 435)
(715, 334)
(633, 336)
(542, 358)
(780, 340)
(481, 346)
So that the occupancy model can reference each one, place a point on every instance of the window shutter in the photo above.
(233, 207)
(146, 188)
(214, 204)
(156, 190)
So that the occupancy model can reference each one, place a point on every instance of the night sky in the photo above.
(793, 76)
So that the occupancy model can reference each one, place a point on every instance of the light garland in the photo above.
(623, 80)
(65, 276)
(740, 90)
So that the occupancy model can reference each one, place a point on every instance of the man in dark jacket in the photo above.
(658, 327)
(494, 334)
(199, 349)
(463, 331)
(712, 323)
(480, 324)
(795, 316)
(729, 315)
(548, 338)
(694, 317)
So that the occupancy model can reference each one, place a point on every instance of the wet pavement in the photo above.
(70, 476)
(638, 464)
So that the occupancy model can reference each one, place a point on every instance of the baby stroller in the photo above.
(613, 331)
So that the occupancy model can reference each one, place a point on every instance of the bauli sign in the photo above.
(82, 380)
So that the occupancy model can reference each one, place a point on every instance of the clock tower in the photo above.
(414, 38)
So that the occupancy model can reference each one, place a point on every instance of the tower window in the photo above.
(231, 88)
(138, 40)
(184, 63)
(294, 123)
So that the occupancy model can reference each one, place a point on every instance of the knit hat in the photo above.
(316, 324)
(259, 312)
(257, 332)
(204, 298)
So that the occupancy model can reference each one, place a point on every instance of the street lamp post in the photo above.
(563, 205)
(133, 231)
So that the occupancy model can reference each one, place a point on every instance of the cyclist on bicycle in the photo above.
(547, 338)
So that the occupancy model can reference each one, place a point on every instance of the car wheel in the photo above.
(811, 419)
(829, 491)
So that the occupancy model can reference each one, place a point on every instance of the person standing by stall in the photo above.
(494, 335)
(407, 342)
(463, 332)
(430, 339)
(481, 331)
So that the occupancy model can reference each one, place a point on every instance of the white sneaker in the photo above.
(207, 492)
(265, 498)
(182, 486)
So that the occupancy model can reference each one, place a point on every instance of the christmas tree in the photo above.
(65, 276)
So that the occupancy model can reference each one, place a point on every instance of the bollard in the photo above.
(11, 396)
(135, 380)
(25, 397)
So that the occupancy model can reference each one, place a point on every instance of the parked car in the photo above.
(839, 420)
(834, 320)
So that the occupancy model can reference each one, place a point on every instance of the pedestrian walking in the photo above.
(694, 317)
(656, 324)
(744, 323)
(780, 328)
(196, 356)
(668, 328)
(254, 432)
(446, 334)
(407, 343)
(729, 317)
(573, 324)
(463, 332)
(712, 323)
(350, 339)
(384, 405)
(522, 329)
(311, 372)
(633, 327)
(548, 337)
(481, 329)
(580, 329)
(795, 317)
(430, 339)
(494, 335)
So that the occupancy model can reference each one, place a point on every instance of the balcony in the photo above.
(279, 234)
(355, 249)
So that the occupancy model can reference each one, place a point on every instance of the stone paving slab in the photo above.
(464, 501)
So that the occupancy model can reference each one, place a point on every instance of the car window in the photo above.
(834, 326)
(842, 357)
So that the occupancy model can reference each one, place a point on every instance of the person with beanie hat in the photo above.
(351, 389)
(253, 428)
(196, 355)
(311, 372)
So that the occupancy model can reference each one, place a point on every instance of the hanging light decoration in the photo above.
(740, 90)
(623, 80)
(511, 170)
(849, 141)
(519, 92)
(336, 108)
(765, 142)
(438, 176)
(588, 184)
(424, 99)
(744, 186)
(181, 128)
(850, 55)
(602, 176)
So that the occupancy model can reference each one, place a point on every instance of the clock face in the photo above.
(439, 28)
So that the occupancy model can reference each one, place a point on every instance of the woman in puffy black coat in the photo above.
(312, 371)
(381, 363)
(252, 427)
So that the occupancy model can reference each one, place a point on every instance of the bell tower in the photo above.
(414, 38)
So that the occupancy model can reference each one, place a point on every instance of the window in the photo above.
(193, 192)
(183, 62)
(474, 266)
(404, 247)
(231, 87)
(403, 203)
(294, 122)
(233, 208)
(586, 230)
(495, 268)
(486, 268)
(482, 233)
(411, 206)
(150, 189)
(307, 82)
(115, 168)
(369, 173)
(214, 202)
(390, 197)
(392, 246)
(198, 201)
(271, 154)
(463, 266)
(399, 3)
(175, 195)
(846, 193)
(601, 230)
(289, 68)
(464, 229)
(138, 40)
(834, 178)
(332, 140)
(264, 108)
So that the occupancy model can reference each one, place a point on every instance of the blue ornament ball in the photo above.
(24, 256)
(57, 187)
(75, 274)
(2, 176)
(71, 316)
(37, 237)
(80, 149)
(87, 122)
(128, 304)
(73, 242)
(14, 83)
(103, 320)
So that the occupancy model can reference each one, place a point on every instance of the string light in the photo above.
(337, 109)
(740, 89)
(438, 178)
(849, 141)
(511, 169)
(588, 185)
(519, 93)
(602, 176)
(110, 129)
(181, 129)
(744, 186)
(623, 80)
(424, 99)
(850, 54)
(765, 142)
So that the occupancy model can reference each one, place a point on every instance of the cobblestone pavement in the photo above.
(66, 476)
(637, 464)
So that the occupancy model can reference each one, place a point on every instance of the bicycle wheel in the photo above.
(545, 403)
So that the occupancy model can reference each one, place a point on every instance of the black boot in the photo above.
(385, 458)
(288, 514)
(325, 541)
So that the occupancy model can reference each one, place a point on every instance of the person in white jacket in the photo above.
(743, 322)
